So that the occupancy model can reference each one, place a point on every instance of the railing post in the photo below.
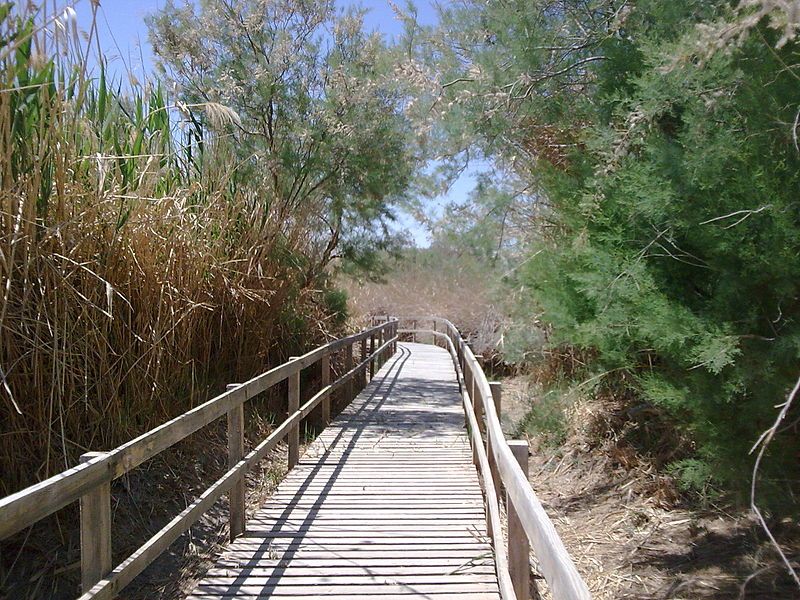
(362, 358)
(479, 399)
(518, 544)
(371, 357)
(294, 405)
(348, 366)
(95, 531)
(497, 392)
(325, 377)
(468, 378)
(236, 496)
(378, 343)
(468, 390)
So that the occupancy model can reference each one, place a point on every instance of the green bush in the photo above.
(335, 302)
(654, 161)
(678, 259)
(546, 419)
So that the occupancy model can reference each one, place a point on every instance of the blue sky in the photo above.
(123, 37)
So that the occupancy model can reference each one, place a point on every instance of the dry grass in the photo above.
(630, 533)
(128, 269)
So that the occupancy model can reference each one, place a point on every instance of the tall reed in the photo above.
(135, 265)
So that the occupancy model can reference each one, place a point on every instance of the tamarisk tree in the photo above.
(314, 111)
(655, 158)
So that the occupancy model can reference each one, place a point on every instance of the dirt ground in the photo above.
(631, 534)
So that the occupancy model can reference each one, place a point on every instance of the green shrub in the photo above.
(335, 302)
(659, 226)
(694, 476)
(680, 264)
(546, 420)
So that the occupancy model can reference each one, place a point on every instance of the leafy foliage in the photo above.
(317, 114)
(662, 179)
(546, 418)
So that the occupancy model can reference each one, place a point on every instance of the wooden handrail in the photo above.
(28, 506)
(492, 506)
(555, 562)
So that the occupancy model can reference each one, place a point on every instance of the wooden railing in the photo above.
(90, 481)
(503, 464)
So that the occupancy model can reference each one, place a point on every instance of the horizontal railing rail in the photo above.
(89, 482)
(502, 468)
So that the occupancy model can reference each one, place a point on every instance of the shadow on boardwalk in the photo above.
(385, 502)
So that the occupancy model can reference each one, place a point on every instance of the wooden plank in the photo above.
(435, 547)
(400, 560)
(425, 521)
(95, 531)
(368, 536)
(345, 570)
(293, 438)
(369, 555)
(393, 495)
(375, 525)
(377, 515)
(377, 503)
(332, 513)
(333, 579)
(327, 489)
(337, 595)
(282, 589)
(236, 495)
(384, 477)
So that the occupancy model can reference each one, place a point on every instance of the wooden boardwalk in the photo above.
(385, 502)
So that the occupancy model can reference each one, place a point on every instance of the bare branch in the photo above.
(747, 213)
(764, 441)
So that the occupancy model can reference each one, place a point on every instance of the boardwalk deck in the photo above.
(385, 503)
